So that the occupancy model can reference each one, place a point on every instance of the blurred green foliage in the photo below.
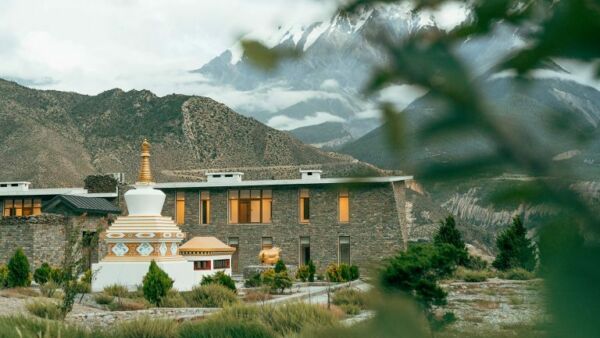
(555, 29)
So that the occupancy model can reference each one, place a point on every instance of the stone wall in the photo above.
(375, 228)
(42, 238)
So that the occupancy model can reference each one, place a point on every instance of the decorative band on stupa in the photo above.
(145, 176)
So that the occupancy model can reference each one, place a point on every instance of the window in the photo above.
(22, 207)
(266, 243)
(204, 207)
(344, 250)
(201, 265)
(221, 263)
(250, 206)
(304, 250)
(344, 206)
(180, 207)
(304, 206)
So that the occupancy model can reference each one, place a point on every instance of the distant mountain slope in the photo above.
(328, 135)
(53, 138)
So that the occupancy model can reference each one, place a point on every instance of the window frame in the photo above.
(267, 246)
(301, 246)
(343, 194)
(263, 201)
(227, 264)
(340, 250)
(207, 266)
(177, 200)
(303, 205)
(204, 196)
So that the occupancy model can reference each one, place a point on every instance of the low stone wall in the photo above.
(107, 319)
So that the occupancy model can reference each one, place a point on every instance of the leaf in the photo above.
(265, 58)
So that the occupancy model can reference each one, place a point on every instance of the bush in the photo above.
(57, 275)
(448, 234)
(257, 296)
(471, 276)
(333, 273)
(281, 281)
(49, 288)
(173, 299)
(347, 296)
(312, 269)
(515, 249)
(103, 298)
(41, 275)
(44, 309)
(220, 278)
(517, 274)
(18, 270)
(303, 273)
(156, 284)
(126, 304)
(116, 290)
(476, 263)
(29, 327)
(280, 266)
(354, 272)
(3, 276)
(216, 328)
(254, 281)
(211, 295)
(344, 271)
(350, 309)
(146, 327)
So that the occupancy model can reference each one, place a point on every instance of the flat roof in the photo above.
(299, 181)
(55, 191)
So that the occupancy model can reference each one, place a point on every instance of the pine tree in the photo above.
(280, 266)
(448, 234)
(156, 284)
(515, 249)
(18, 270)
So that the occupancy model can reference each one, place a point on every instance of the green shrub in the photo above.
(103, 298)
(41, 275)
(220, 278)
(44, 309)
(49, 288)
(254, 281)
(280, 266)
(347, 296)
(156, 284)
(281, 281)
(448, 234)
(173, 299)
(517, 274)
(354, 272)
(312, 269)
(211, 295)
(3, 276)
(476, 263)
(267, 277)
(127, 304)
(218, 328)
(18, 270)
(32, 327)
(350, 309)
(333, 273)
(471, 276)
(344, 271)
(116, 290)
(146, 327)
(303, 273)
(515, 250)
(57, 275)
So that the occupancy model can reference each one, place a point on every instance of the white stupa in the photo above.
(143, 236)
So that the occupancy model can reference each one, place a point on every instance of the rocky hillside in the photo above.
(56, 139)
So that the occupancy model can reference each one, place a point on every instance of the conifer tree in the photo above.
(18, 270)
(448, 234)
(156, 284)
(515, 249)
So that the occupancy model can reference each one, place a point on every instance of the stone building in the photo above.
(327, 220)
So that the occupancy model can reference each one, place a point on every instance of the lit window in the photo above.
(344, 250)
(267, 243)
(201, 265)
(180, 207)
(221, 263)
(344, 206)
(304, 250)
(18, 208)
(204, 207)
(27, 207)
(304, 206)
(37, 206)
(250, 206)
(8, 208)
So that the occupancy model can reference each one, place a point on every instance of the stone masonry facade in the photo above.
(376, 226)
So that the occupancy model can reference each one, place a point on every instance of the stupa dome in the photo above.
(144, 200)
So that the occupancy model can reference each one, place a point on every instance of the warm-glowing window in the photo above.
(221, 263)
(18, 208)
(267, 243)
(344, 206)
(27, 207)
(37, 206)
(8, 208)
(202, 265)
(344, 250)
(250, 206)
(204, 207)
(180, 207)
(304, 206)
(22, 207)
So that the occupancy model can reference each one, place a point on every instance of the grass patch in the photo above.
(516, 300)
(218, 328)
(20, 293)
(257, 296)
(146, 327)
(116, 290)
(44, 309)
(103, 299)
(173, 299)
(486, 304)
(211, 295)
(127, 304)
(351, 301)
(517, 274)
(471, 276)
(29, 327)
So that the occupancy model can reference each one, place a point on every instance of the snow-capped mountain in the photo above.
(325, 84)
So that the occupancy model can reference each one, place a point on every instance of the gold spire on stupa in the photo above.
(145, 174)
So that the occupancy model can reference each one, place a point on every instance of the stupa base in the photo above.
(131, 274)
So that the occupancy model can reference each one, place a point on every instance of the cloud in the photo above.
(92, 46)
(288, 123)
(330, 84)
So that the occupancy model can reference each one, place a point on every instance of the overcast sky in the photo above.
(92, 46)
